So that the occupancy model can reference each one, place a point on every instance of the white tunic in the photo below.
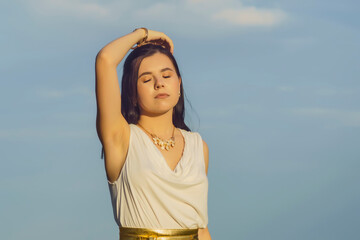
(148, 194)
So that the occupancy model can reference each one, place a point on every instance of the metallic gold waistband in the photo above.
(159, 234)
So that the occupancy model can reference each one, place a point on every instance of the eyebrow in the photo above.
(162, 70)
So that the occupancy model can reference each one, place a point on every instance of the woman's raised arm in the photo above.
(112, 128)
(109, 117)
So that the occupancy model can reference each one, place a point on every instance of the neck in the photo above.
(160, 125)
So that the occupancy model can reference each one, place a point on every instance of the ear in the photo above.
(179, 81)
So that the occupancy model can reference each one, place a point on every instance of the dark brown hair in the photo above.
(129, 107)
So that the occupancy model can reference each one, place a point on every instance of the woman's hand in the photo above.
(155, 36)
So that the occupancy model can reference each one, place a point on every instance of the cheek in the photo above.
(175, 85)
(144, 93)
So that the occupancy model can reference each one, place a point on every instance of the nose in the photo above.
(159, 82)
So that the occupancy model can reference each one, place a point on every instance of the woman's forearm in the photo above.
(116, 50)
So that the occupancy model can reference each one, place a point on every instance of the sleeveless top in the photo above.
(148, 194)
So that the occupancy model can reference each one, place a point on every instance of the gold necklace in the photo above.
(164, 144)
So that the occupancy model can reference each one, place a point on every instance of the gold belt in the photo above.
(127, 233)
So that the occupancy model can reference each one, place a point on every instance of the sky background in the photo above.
(272, 86)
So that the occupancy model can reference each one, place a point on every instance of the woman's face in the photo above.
(157, 75)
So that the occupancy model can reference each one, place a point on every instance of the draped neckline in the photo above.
(159, 152)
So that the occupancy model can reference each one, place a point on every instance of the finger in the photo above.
(170, 43)
(165, 38)
(171, 46)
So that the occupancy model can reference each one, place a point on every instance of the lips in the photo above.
(162, 95)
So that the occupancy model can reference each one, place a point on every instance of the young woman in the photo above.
(156, 167)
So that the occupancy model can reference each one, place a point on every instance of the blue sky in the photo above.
(273, 88)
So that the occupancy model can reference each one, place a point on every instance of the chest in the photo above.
(173, 156)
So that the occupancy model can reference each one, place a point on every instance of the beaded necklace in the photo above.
(164, 144)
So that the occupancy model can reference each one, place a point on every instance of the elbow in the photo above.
(100, 56)
(103, 58)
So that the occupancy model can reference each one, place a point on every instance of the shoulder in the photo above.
(205, 148)
(200, 139)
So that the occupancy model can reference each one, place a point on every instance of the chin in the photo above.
(160, 107)
(157, 111)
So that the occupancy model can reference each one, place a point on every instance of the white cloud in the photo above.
(196, 1)
(211, 3)
(188, 16)
(74, 8)
(158, 11)
(251, 16)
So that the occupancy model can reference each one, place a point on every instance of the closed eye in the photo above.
(168, 76)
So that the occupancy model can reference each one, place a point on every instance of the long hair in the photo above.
(129, 107)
